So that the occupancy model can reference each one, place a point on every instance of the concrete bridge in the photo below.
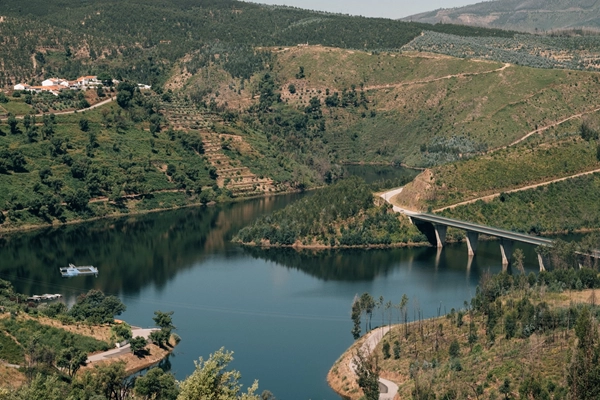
(507, 238)
(441, 224)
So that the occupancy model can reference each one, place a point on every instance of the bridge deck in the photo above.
(486, 230)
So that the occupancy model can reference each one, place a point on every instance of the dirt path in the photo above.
(105, 199)
(494, 195)
(461, 75)
(103, 102)
(542, 129)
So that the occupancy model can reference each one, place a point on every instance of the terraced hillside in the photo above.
(528, 16)
(229, 173)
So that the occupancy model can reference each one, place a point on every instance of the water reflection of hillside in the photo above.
(130, 252)
(343, 265)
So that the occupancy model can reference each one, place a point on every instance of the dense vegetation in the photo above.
(52, 171)
(140, 40)
(565, 206)
(521, 336)
(343, 214)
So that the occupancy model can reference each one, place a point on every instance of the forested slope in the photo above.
(140, 40)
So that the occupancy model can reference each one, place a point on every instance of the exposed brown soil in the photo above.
(415, 193)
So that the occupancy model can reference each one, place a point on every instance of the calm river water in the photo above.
(285, 314)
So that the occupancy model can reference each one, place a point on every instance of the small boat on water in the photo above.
(73, 270)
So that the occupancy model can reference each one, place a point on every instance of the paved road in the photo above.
(116, 352)
(387, 196)
(502, 233)
(387, 388)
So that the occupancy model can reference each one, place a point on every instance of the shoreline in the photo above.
(29, 228)
(341, 247)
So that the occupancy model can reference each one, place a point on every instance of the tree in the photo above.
(78, 200)
(12, 124)
(356, 313)
(518, 258)
(367, 371)
(159, 337)
(138, 345)
(112, 380)
(164, 320)
(454, 350)
(71, 360)
(505, 388)
(292, 88)
(84, 125)
(96, 307)
(583, 375)
(156, 385)
(403, 310)
(210, 380)
(587, 132)
(121, 331)
(386, 350)
(124, 99)
(367, 304)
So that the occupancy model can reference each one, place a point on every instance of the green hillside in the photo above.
(140, 40)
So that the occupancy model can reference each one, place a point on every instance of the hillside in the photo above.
(519, 337)
(527, 16)
(213, 136)
(140, 40)
(330, 105)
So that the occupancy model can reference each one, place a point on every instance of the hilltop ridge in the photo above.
(527, 16)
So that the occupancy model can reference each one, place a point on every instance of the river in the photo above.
(285, 314)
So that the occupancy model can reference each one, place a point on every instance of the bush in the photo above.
(454, 350)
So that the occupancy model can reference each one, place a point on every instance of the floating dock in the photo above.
(73, 270)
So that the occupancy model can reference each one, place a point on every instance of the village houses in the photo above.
(55, 85)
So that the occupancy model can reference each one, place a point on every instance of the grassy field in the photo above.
(15, 107)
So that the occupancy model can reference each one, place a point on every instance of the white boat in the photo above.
(72, 270)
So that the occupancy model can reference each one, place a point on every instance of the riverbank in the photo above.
(57, 224)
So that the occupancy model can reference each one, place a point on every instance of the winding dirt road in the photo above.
(424, 81)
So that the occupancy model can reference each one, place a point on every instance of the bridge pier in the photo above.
(440, 234)
(506, 246)
(472, 241)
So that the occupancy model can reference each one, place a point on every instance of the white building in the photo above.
(88, 81)
(22, 86)
(55, 82)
